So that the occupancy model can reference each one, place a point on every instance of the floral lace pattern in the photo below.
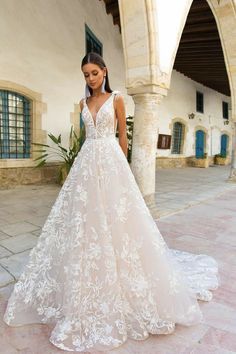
(101, 272)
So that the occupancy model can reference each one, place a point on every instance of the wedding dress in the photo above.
(101, 271)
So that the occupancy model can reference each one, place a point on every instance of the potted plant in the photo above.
(202, 161)
(221, 159)
(67, 156)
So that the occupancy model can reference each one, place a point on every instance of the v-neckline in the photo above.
(95, 121)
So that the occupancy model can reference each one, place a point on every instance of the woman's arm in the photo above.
(120, 114)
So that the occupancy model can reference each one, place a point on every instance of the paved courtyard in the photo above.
(195, 210)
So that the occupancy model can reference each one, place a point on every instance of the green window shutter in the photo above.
(15, 134)
(177, 139)
(92, 42)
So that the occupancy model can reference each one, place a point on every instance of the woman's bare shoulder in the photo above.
(118, 99)
(117, 94)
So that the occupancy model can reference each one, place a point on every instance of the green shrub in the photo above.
(67, 156)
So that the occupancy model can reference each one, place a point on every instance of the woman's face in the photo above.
(93, 75)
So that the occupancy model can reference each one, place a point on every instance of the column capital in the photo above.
(147, 89)
(147, 98)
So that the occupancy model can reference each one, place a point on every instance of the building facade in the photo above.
(191, 111)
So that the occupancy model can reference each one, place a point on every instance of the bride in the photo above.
(101, 271)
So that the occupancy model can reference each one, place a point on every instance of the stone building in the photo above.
(173, 61)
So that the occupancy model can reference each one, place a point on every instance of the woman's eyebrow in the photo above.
(87, 72)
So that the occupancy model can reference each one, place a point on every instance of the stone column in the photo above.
(145, 131)
(232, 175)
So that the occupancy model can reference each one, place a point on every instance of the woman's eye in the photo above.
(95, 74)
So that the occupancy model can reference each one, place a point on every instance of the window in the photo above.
(14, 125)
(163, 141)
(92, 43)
(225, 110)
(199, 102)
(177, 139)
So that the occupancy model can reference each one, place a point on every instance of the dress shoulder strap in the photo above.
(116, 94)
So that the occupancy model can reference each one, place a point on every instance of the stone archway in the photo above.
(148, 80)
(224, 12)
(225, 16)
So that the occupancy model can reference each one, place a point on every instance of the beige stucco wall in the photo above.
(42, 44)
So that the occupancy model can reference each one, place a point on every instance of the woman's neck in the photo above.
(97, 93)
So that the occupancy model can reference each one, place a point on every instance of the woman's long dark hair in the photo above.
(94, 58)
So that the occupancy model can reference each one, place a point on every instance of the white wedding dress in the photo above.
(101, 272)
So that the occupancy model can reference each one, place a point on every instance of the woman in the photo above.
(101, 272)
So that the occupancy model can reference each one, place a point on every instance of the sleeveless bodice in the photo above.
(104, 125)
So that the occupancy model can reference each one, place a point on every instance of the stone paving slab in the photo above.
(36, 232)
(15, 263)
(19, 243)
(5, 277)
(36, 220)
(3, 236)
(4, 252)
(18, 228)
